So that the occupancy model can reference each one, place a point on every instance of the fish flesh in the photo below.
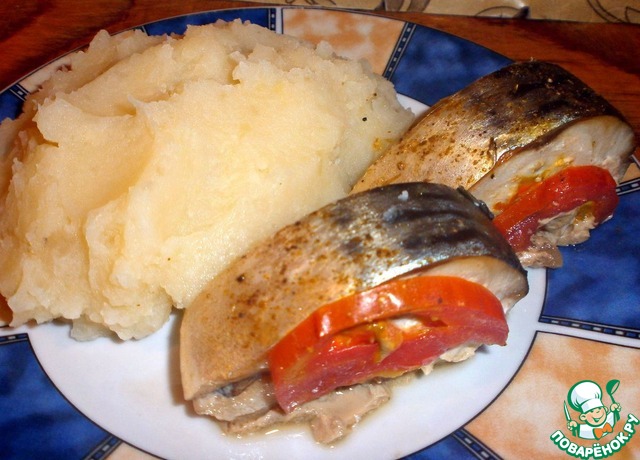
(343, 248)
(346, 247)
(524, 122)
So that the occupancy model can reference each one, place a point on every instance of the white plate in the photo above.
(129, 393)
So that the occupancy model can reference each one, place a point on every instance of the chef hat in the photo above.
(585, 395)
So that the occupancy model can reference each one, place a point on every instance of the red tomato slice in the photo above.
(356, 339)
(566, 190)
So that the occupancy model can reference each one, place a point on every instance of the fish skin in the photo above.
(393, 230)
(463, 136)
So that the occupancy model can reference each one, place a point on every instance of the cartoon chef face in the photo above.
(595, 416)
(586, 397)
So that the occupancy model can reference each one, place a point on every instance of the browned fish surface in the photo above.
(524, 122)
(346, 247)
(462, 137)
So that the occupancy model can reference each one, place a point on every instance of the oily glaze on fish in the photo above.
(524, 105)
(346, 247)
(524, 122)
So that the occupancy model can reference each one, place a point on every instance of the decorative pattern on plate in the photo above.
(598, 288)
(568, 10)
(520, 422)
(37, 421)
(588, 328)
(368, 37)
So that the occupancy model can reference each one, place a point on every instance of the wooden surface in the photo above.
(605, 56)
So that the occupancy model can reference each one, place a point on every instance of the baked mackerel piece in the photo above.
(310, 324)
(510, 131)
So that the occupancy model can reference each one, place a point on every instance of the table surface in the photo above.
(604, 55)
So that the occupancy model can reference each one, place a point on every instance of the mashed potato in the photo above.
(131, 179)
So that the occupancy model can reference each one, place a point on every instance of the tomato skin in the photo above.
(408, 296)
(323, 368)
(352, 348)
(571, 187)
